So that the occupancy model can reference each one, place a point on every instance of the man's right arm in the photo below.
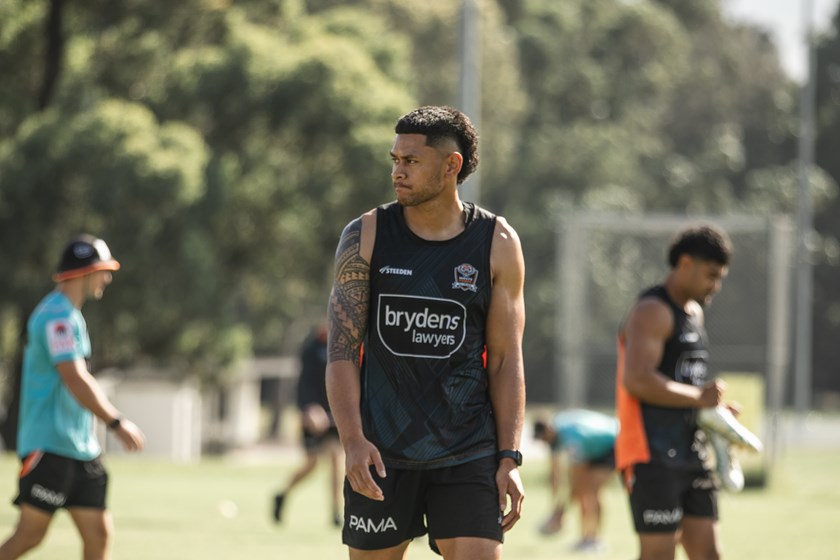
(79, 381)
(348, 317)
(647, 329)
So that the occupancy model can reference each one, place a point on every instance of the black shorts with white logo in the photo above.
(449, 502)
(660, 496)
(49, 482)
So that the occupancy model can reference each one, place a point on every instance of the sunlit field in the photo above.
(220, 509)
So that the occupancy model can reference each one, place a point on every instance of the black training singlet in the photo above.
(425, 401)
(671, 434)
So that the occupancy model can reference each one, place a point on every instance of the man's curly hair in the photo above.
(441, 123)
(701, 242)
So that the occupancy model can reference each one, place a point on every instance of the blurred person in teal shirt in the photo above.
(60, 400)
(582, 459)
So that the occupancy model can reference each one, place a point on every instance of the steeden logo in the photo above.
(397, 271)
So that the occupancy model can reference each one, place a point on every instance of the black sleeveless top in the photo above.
(425, 401)
(673, 435)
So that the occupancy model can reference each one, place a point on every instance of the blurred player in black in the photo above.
(320, 436)
(663, 381)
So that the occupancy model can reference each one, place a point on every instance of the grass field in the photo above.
(219, 509)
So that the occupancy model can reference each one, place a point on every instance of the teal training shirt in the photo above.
(585, 434)
(51, 419)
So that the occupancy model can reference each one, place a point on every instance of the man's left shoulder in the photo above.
(506, 242)
(503, 226)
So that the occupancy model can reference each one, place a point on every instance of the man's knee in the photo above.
(95, 529)
(30, 531)
(27, 540)
(21, 542)
(657, 546)
(97, 540)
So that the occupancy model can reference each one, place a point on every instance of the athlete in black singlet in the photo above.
(425, 376)
(424, 383)
(662, 381)
(672, 435)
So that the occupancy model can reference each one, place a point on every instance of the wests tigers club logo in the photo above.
(466, 278)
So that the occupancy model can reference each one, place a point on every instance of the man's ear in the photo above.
(685, 261)
(454, 162)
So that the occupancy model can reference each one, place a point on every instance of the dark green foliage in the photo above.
(220, 147)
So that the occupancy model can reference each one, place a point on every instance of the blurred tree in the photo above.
(827, 270)
(642, 106)
(54, 35)
(111, 169)
(221, 146)
(219, 151)
(430, 35)
(21, 51)
(299, 138)
(600, 76)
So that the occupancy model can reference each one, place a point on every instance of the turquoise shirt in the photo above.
(585, 434)
(51, 419)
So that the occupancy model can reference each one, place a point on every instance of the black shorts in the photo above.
(459, 501)
(49, 481)
(315, 442)
(660, 496)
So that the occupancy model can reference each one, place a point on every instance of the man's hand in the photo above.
(509, 483)
(359, 456)
(712, 394)
(130, 436)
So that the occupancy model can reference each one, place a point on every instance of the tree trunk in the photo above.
(54, 53)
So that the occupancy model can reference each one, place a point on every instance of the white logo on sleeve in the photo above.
(60, 339)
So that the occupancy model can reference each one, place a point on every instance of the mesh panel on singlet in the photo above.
(425, 396)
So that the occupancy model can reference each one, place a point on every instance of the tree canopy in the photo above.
(220, 147)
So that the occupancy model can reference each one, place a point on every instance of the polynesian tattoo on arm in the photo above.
(350, 297)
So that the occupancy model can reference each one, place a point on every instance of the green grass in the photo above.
(164, 511)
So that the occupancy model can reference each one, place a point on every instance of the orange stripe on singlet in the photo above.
(631, 444)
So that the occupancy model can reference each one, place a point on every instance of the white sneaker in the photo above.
(727, 466)
(554, 523)
(720, 420)
(589, 546)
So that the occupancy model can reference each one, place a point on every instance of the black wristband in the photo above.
(115, 423)
(510, 454)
